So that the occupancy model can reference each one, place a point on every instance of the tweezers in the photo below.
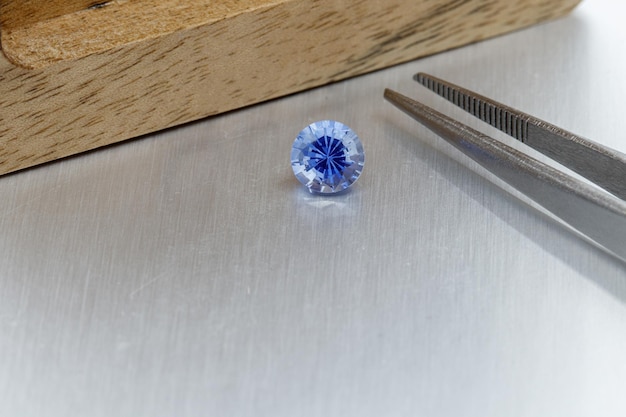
(593, 209)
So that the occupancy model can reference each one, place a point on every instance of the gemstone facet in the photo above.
(327, 157)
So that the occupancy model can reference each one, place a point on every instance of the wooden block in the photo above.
(77, 75)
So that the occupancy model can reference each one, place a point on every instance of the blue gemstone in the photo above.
(327, 157)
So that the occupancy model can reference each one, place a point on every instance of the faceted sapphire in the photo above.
(327, 157)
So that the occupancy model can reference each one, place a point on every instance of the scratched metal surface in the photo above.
(187, 273)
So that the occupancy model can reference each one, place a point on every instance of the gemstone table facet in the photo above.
(327, 157)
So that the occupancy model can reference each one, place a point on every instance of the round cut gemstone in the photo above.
(327, 157)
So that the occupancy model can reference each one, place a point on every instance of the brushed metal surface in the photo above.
(188, 273)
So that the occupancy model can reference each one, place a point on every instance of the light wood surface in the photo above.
(87, 74)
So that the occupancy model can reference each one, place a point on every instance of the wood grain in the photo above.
(96, 76)
(16, 13)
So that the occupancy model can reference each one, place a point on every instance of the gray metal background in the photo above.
(187, 273)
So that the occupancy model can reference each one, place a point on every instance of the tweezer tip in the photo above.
(396, 98)
(420, 77)
(391, 94)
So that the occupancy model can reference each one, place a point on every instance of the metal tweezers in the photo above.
(596, 210)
